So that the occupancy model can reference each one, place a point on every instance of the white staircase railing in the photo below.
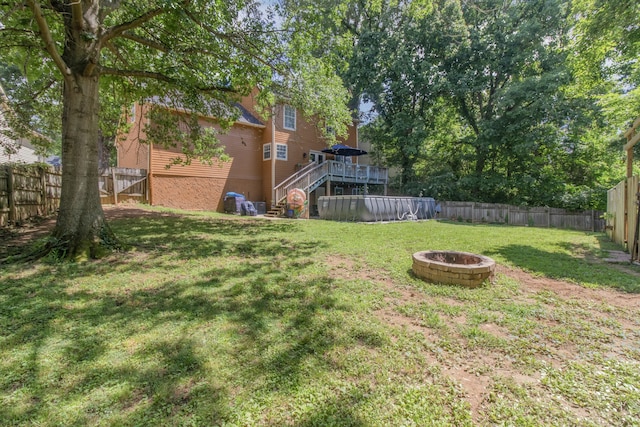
(303, 179)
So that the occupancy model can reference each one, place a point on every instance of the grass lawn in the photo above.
(217, 320)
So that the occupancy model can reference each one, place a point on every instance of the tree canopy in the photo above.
(520, 102)
(92, 57)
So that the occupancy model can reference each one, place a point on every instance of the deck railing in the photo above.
(349, 172)
(309, 177)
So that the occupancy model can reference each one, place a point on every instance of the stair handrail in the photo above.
(298, 173)
(303, 179)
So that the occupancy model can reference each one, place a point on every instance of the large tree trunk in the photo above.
(80, 228)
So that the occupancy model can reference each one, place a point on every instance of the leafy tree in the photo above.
(606, 47)
(506, 83)
(499, 117)
(99, 55)
(402, 77)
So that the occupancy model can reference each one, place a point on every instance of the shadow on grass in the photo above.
(560, 265)
(178, 351)
(192, 238)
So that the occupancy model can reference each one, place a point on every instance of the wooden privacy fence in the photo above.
(589, 220)
(623, 201)
(123, 184)
(622, 213)
(28, 191)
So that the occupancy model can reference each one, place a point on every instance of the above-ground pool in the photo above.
(376, 208)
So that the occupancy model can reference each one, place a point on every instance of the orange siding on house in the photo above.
(250, 103)
(305, 138)
(267, 182)
(352, 137)
(241, 174)
(131, 153)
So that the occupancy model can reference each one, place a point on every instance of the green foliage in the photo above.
(199, 58)
(483, 101)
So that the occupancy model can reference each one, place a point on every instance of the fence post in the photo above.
(11, 197)
(115, 186)
(43, 193)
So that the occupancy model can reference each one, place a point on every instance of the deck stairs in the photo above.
(278, 210)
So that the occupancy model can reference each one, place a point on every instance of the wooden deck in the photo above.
(358, 174)
(313, 175)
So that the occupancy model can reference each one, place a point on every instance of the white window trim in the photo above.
(284, 117)
(286, 152)
(266, 151)
(316, 154)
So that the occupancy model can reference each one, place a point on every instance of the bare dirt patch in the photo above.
(13, 239)
(567, 290)
(476, 369)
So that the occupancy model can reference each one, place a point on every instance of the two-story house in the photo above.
(267, 159)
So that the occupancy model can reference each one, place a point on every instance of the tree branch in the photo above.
(116, 53)
(160, 77)
(228, 38)
(146, 42)
(466, 113)
(137, 73)
(120, 29)
(77, 15)
(45, 34)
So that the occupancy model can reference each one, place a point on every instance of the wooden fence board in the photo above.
(123, 184)
(622, 211)
(524, 216)
(632, 209)
(28, 191)
(24, 192)
(616, 213)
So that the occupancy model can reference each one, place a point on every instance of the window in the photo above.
(266, 152)
(289, 117)
(132, 114)
(281, 152)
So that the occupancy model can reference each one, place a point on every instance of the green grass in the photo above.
(208, 320)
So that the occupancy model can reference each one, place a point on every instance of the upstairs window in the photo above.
(289, 117)
(281, 152)
(266, 152)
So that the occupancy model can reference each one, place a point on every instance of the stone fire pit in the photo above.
(459, 268)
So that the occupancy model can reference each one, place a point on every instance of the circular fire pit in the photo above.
(460, 268)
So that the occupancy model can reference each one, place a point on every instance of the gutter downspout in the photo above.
(273, 157)
(149, 173)
(357, 143)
